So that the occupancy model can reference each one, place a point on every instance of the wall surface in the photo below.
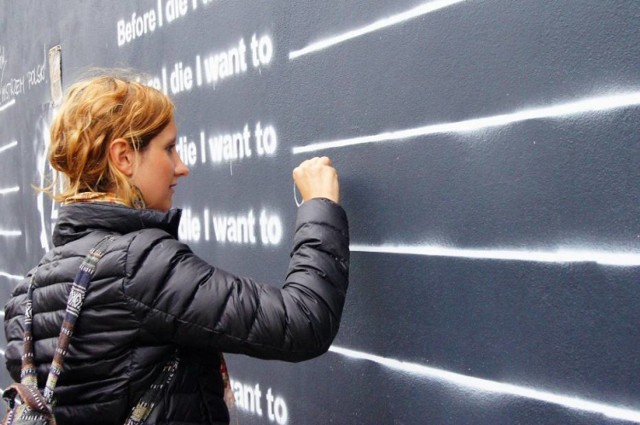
(489, 160)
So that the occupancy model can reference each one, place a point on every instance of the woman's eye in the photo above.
(171, 147)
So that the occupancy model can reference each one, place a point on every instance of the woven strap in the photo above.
(150, 398)
(28, 375)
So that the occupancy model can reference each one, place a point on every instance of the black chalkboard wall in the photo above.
(489, 160)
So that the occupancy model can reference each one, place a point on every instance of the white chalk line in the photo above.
(6, 105)
(495, 387)
(7, 190)
(399, 18)
(583, 106)
(12, 277)
(560, 255)
(8, 146)
(10, 233)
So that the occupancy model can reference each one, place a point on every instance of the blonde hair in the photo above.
(95, 112)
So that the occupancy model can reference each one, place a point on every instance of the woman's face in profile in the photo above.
(158, 169)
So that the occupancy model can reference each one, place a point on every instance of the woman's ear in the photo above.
(122, 156)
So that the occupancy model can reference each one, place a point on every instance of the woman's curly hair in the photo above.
(95, 112)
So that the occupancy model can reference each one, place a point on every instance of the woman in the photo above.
(115, 141)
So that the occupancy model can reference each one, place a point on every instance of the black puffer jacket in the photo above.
(150, 294)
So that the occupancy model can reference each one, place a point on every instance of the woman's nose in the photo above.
(181, 169)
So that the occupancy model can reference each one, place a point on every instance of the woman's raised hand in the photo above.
(316, 178)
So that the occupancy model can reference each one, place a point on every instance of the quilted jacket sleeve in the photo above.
(185, 300)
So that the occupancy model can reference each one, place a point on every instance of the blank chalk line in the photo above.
(583, 106)
(3, 232)
(8, 146)
(10, 232)
(561, 255)
(12, 277)
(6, 105)
(378, 25)
(485, 385)
(7, 190)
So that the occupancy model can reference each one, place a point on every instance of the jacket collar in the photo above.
(78, 219)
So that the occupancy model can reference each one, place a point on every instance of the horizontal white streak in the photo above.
(378, 25)
(562, 255)
(6, 105)
(9, 190)
(593, 104)
(8, 146)
(9, 276)
(485, 385)
(10, 232)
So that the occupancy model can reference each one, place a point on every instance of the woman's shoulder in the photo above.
(151, 248)
(152, 239)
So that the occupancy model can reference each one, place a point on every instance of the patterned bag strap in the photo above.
(150, 398)
(28, 375)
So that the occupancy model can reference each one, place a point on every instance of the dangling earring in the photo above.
(137, 201)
